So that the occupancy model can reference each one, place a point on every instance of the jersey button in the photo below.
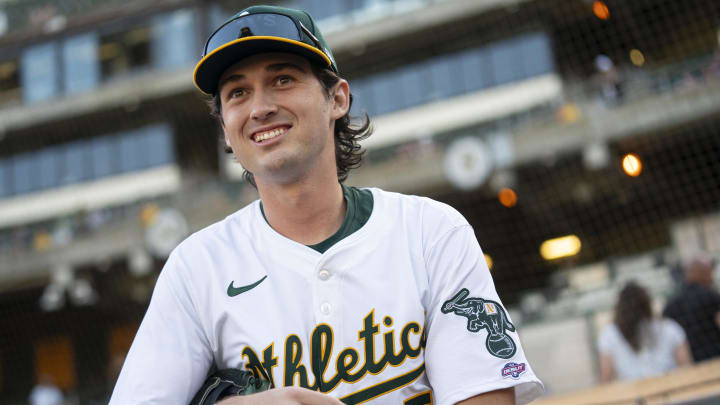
(325, 308)
(324, 275)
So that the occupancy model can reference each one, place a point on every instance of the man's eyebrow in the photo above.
(275, 67)
(231, 78)
(284, 65)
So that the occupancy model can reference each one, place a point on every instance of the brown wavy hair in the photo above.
(348, 131)
(631, 311)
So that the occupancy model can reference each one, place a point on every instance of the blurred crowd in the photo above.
(641, 344)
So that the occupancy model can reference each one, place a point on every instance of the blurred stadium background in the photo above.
(580, 138)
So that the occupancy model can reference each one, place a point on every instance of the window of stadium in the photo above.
(80, 66)
(87, 159)
(4, 178)
(125, 51)
(470, 70)
(40, 76)
(173, 35)
(9, 81)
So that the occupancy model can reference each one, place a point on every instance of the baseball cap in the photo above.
(260, 29)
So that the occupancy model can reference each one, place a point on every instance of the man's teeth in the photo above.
(269, 134)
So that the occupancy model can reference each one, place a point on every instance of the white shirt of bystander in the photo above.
(660, 339)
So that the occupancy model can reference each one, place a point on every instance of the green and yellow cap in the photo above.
(255, 30)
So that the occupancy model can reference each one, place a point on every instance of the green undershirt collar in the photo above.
(359, 207)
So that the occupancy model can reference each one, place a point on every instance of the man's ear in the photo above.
(341, 99)
(225, 135)
(220, 119)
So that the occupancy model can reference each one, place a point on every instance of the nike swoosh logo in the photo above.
(233, 291)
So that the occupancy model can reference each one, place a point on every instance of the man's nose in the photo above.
(263, 106)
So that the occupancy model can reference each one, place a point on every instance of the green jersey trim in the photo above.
(359, 207)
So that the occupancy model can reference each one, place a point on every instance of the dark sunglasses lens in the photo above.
(273, 25)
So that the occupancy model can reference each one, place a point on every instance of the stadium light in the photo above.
(82, 293)
(636, 57)
(507, 197)
(568, 113)
(53, 298)
(596, 155)
(632, 165)
(563, 246)
(600, 9)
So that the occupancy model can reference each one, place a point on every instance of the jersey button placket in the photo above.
(325, 289)
(324, 275)
(327, 299)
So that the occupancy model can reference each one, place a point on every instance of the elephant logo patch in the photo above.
(487, 315)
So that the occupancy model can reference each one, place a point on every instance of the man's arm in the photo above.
(302, 396)
(499, 397)
(462, 364)
(285, 396)
(170, 355)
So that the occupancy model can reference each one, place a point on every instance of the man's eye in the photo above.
(283, 80)
(237, 93)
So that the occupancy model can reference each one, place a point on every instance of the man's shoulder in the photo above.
(415, 204)
(229, 228)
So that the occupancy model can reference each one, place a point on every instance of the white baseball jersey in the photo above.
(402, 311)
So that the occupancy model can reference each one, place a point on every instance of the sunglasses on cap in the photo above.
(261, 25)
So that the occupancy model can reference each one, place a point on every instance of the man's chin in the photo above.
(285, 172)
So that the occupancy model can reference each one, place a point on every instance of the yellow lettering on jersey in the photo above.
(253, 363)
(349, 367)
(293, 363)
(367, 336)
(413, 328)
(379, 389)
(269, 362)
(421, 398)
(321, 343)
(346, 361)
(393, 358)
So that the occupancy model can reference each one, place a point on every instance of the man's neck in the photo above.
(307, 213)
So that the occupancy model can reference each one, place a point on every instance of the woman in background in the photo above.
(638, 345)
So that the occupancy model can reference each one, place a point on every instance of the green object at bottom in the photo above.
(256, 385)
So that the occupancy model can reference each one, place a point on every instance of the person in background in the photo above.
(697, 308)
(637, 345)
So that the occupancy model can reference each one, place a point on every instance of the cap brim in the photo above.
(211, 66)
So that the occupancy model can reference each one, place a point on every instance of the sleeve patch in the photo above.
(513, 370)
(485, 315)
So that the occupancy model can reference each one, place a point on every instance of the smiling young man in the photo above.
(332, 294)
(279, 121)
